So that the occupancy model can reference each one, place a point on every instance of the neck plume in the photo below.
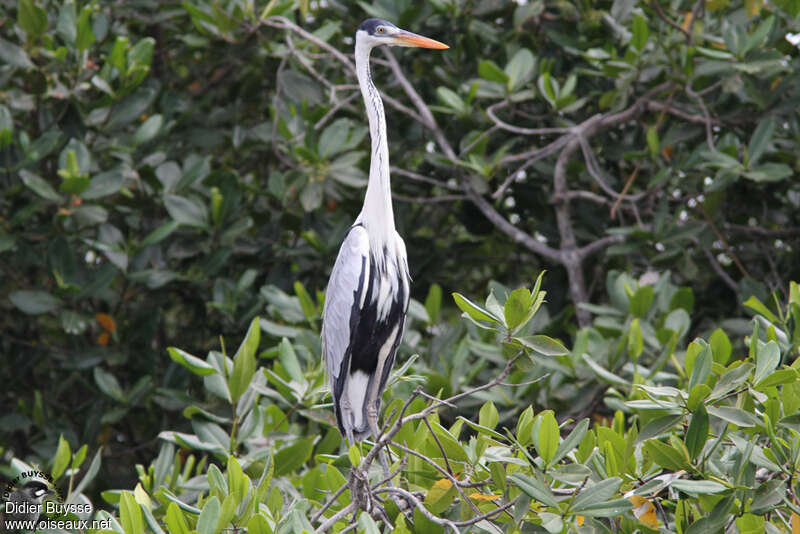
(377, 212)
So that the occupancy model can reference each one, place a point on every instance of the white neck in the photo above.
(377, 213)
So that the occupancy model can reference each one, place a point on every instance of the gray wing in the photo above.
(344, 296)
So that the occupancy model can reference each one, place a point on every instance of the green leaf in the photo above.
(289, 360)
(31, 18)
(769, 172)
(309, 310)
(293, 456)
(698, 486)
(613, 508)
(571, 441)
(640, 302)
(595, 494)
(91, 472)
(525, 426)
(781, 376)
(440, 496)
(653, 143)
(473, 310)
(14, 55)
(34, 302)
(604, 373)
(635, 340)
(750, 524)
(39, 186)
(193, 363)
(697, 434)
(75, 185)
(549, 436)
(244, 362)
(67, 25)
(767, 359)
(450, 99)
(701, 368)
(760, 139)
(6, 126)
(697, 395)
(734, 415)
(756, 305)
(130, 515)
(664, 455)
(148, 129)
(108, 384)
(535, 489)
(238, 482)
(488, 70)
(186, 211)
(85, 36)
(720, 346)
(452, 447)
(433, 302)
(488, 415)
(175, 521)
(544, 345)
(658, 427)
(641, 33)
(258, 525)
(516, 308)
(61, 460)
(520, 69)
(117, 57)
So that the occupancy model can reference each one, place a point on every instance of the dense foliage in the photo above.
(171, 171)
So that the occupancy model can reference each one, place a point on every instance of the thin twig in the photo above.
(490, 111)
(439, 443)
(671, 22)
(700, 102)
(332, 520)
(428, 200)
(328, 503)
(720, 271)
(420, 178)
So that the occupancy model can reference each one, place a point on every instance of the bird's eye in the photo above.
(381, 30)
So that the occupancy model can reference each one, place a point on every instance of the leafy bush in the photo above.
(705, 435)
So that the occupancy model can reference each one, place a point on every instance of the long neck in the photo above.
(377, 211)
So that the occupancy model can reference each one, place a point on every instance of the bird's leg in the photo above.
(347, 420)
(372, 419)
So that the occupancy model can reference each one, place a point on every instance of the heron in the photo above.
(368, 291)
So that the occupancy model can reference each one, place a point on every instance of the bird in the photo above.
(25, 503)
(368, 291)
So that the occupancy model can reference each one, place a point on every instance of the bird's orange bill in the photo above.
(412, 39)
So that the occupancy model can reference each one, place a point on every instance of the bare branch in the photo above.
(332, 520)
(428, 200)
(285, 24)
(700, 102)
(407, 495)
(425, 112)
(535, 156)
(328, 503)
(720, 271)
(420, 178)
(671, 22)
(512, 231)
(490, 111)
(600, 244)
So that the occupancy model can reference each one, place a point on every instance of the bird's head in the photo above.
(377, 32)
(36, 490)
